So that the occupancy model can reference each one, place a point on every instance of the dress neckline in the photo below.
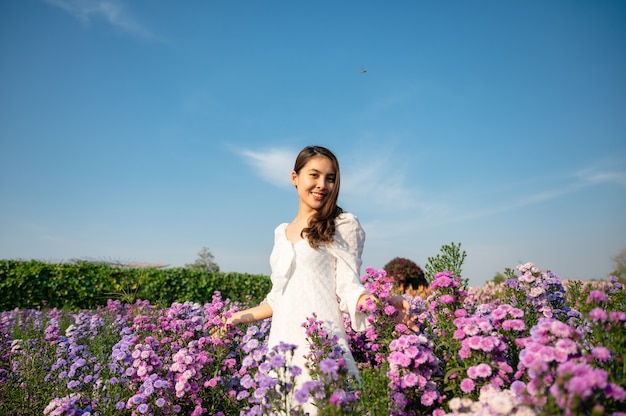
(293, 243)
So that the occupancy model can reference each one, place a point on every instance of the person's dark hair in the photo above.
(415, 282)
(321, 227)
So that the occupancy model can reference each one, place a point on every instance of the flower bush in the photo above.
(532, 345)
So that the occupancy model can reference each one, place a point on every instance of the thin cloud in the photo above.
(273, 165)
(111, 11)
(592, 176)
(378, 184)
(373, 185)
(583, 179)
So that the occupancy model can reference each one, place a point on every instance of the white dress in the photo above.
(325, 280)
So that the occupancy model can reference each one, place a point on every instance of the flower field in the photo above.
(533, 345)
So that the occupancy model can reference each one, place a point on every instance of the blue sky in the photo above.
(143, 131)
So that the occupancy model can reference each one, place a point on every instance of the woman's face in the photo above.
(315, 181)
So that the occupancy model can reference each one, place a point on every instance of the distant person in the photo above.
(415, 285)
(315, 263)
(408, 276)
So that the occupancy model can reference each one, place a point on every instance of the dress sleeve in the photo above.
(281, 262)
(347, 249)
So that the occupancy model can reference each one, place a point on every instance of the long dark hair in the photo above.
(321, 226)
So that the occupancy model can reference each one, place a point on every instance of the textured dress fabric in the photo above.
(325, 281)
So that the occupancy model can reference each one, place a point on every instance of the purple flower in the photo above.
(277, 361)
(285, 347)
(329, 366)
(73, 384)
(294, 370)
(247, 382)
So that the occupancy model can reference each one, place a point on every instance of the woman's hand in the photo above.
(219, 331)
(403, 307)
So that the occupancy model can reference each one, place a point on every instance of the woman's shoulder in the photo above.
(346, 218)
(347, 222)
(280, 229)
(348, 231)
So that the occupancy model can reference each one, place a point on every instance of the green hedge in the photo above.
(35, 284)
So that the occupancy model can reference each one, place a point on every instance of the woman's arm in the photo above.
(254, 314)
(363, 300)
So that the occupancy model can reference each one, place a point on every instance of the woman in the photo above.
(316, 262)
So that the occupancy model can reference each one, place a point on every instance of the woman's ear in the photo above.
(294, 178)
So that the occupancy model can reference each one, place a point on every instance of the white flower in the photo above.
(455, 404)
(501, 404)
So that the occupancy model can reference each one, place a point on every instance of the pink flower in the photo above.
(399, 359)
(596, 296)
(598, 314)
(461, 313)
(513, 325)
(566, 345)
(389, 310)
(409, 380)
(487, 344)
(446, 299)
(617, 316)
(465, 352)
(429, 397)
(459, 334)
(483, 370)
(474, 342)
(212, 382)
(516, 313)
(601, 353)
(467, 385)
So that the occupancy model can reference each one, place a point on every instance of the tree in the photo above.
(450, 259)
(205, 261)
(499, 278)
(620, 264)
